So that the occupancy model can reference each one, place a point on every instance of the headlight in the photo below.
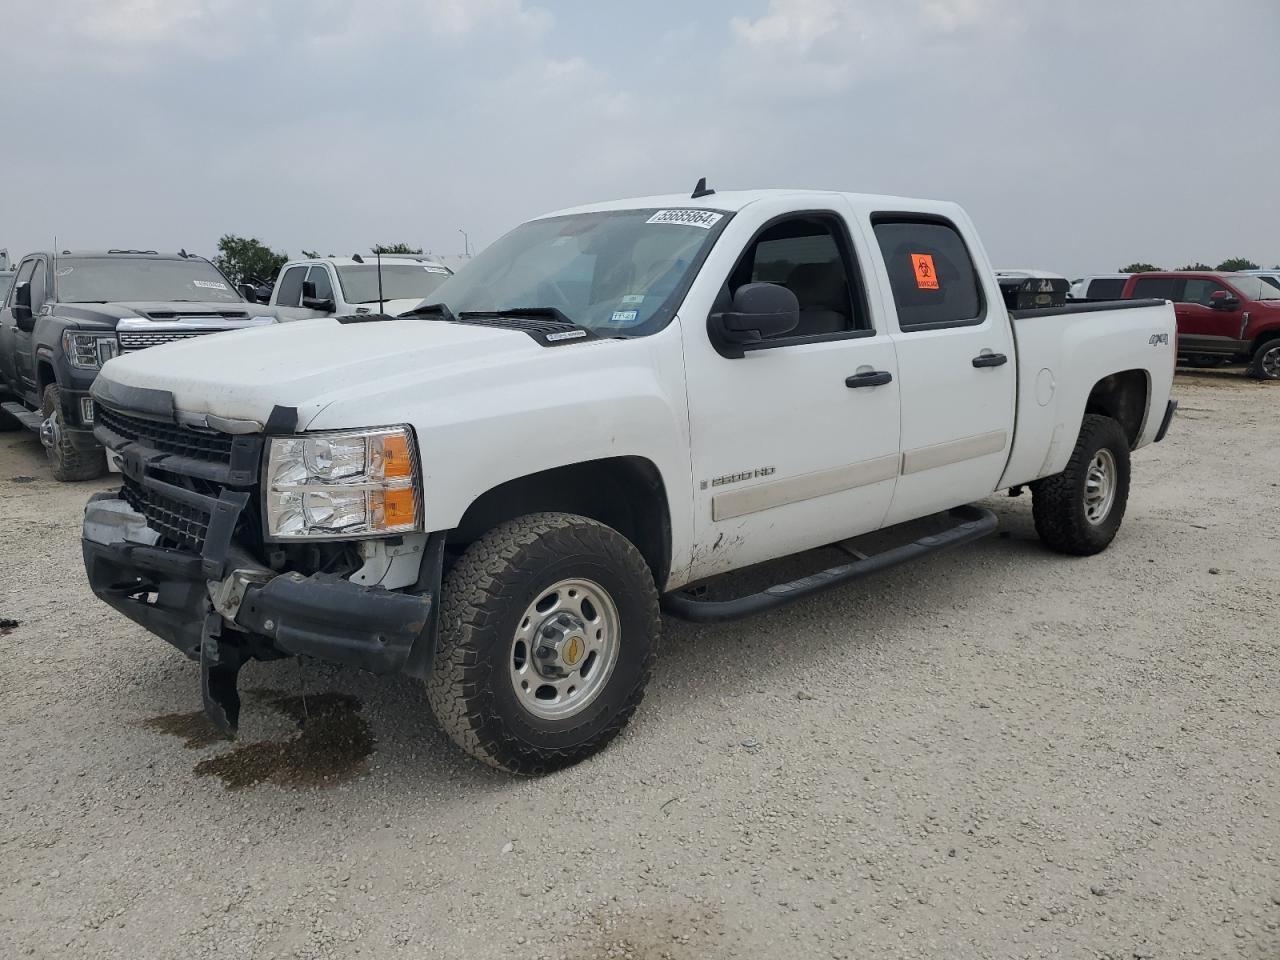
(88, 350)
(328, 486)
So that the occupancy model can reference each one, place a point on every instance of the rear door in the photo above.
(956, 366)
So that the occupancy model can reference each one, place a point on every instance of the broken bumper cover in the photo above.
(322, 615)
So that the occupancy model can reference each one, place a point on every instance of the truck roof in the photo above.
(372, 258)
(735, 200)
(114, 252)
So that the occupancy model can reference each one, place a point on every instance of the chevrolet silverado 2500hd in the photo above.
(497, 492)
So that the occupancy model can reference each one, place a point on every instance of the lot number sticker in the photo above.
(706, 219)
(926, 275)
(209, 284)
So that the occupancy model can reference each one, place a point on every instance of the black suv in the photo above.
(68, 313)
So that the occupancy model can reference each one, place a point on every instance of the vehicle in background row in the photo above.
(7, 272)
(68, 313)
(1222, 317)
(607, 407)
(1270, 276)
(1101, 286)
(349, 285)
(1026, 289)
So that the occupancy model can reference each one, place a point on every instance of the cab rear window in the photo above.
(930, 272)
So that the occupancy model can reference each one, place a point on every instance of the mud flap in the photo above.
(220, 665)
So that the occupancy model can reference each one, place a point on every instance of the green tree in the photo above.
(243, 257)
(1196, 267)
(389, 248)
(1233, 264)
(310, 255)
(1139, 268)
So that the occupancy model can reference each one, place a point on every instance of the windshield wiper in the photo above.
(427, 309)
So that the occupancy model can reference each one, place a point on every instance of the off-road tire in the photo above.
(1266, 361)
(69, 462)
(1058, 502)
(484, 595)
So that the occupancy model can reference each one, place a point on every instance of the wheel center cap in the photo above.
(561, 646)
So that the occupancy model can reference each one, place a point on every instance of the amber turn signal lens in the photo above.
(398, 508)
(395, 456)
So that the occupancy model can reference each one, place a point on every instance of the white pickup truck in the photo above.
(610, 406)
(339, 286)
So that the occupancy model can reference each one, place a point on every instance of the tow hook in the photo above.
(50, 433)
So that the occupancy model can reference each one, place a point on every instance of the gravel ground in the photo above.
(999, 752)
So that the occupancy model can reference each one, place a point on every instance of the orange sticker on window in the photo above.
(926, 276)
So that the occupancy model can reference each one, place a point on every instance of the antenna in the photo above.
(701, 190)
(378, 251)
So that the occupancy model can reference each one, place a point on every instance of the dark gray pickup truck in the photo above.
(68, 313)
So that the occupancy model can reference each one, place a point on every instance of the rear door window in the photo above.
(291, 287)
(1109, 289)
(931, 273)
(1157, 288)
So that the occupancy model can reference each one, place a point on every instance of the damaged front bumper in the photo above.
(250, 612)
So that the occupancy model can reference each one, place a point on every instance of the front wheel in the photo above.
(1266, 361)
(1079, 510)
(69, 461)
(549, 630)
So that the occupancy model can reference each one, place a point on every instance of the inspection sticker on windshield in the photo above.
(926, 275)
(633, 299)
(706, 219)
(623, 318)
(209, 284)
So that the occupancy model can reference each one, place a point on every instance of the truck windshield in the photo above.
(616, 273)
(1255, 288)
(400, 281)
(125, 279)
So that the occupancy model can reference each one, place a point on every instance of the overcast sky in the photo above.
(1080, 136)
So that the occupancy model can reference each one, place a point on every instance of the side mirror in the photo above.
(22, 307)
(315, 303)
(1222, 300)
(248, 291)
(758, 311)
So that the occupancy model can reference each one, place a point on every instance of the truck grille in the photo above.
(132, 340)
(179, 523)
(168, 438)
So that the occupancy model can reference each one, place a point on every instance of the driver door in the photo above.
(795, 443)
(10, 334)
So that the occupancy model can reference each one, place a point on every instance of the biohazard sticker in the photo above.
(926, 275)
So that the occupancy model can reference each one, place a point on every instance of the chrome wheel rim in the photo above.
(1271, 363)
(565, 648)
(1100, 486)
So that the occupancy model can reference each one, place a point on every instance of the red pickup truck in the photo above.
(1222, 317)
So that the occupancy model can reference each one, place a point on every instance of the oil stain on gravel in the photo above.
(331, 746)
(196, 730)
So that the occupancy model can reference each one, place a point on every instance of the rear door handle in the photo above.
(990, 360)
(872, 378)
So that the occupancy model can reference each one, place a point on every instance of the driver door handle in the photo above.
(872, 378)
(990, 360)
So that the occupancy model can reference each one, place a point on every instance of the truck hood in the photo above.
(244, 374)
(107, 314)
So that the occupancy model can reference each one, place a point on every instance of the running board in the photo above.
(973, 523)
(28, 418)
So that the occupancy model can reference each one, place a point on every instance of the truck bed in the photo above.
(1064, 353)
